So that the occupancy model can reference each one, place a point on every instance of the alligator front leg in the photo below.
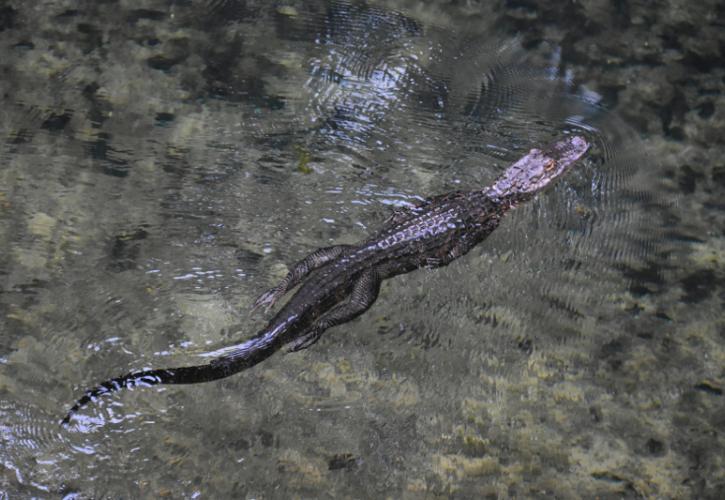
(313, 261)
(460, 248)
(364, 292)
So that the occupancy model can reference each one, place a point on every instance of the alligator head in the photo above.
(539, 168)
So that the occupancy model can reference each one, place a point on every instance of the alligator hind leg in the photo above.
(364, 292)
(313, 261)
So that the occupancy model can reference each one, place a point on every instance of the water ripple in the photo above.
(142, 212)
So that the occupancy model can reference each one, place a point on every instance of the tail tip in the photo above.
(65, 422)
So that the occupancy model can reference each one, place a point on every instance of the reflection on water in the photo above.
(160, 171)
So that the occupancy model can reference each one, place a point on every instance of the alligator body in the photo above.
(341, 282)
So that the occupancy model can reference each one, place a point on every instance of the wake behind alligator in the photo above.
(341, 282)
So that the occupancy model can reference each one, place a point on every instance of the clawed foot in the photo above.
(268, 299)
(305, 341)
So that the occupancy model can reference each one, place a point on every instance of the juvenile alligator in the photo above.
(341, 282)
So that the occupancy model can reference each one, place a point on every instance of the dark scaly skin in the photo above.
(341, 282)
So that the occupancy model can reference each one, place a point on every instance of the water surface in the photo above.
(163, 165)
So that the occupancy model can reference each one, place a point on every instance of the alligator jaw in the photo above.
(538, 168)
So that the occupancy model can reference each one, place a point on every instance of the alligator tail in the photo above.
(233, 360)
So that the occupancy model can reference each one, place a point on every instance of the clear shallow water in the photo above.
(161, 172)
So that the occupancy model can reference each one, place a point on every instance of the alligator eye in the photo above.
(549, 166)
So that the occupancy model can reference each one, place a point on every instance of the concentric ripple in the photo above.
(181, 160)
(436, 110)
